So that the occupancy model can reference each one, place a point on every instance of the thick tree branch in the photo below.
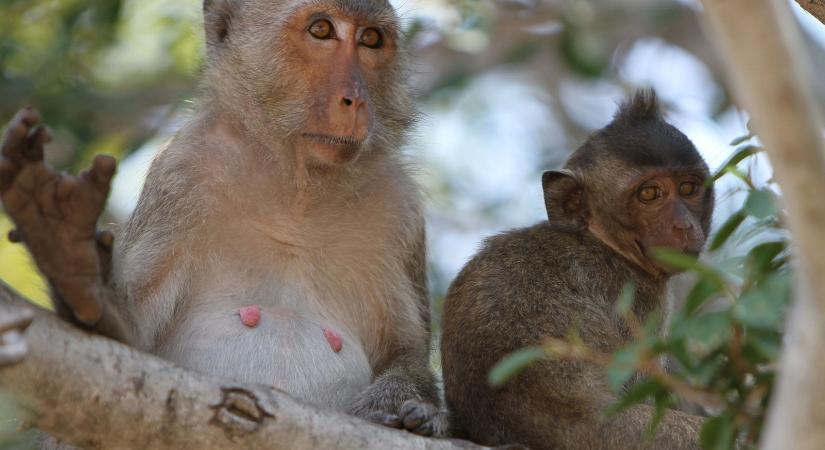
(763, 46)
(98, 394)
(815, 7)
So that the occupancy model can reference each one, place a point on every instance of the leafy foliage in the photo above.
(725, 339)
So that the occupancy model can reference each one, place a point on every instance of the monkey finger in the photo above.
(38, 137)
(414, 414)
(385, 419)
(12, 348)
(105, 239)
(65, 187)
(102, 171)
(83, 298)
(18, 319)
(14, 140)
(8, 172)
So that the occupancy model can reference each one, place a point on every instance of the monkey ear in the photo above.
(564, 199)
(217, 21)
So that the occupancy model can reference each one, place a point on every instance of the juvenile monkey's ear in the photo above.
(564, 199)
(217, 20)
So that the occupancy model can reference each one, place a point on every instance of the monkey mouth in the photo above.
(328, 139)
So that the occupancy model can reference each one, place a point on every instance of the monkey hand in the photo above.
(56, 214)
(13, 320)
(415, 416)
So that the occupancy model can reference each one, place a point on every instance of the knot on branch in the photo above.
(239, 412)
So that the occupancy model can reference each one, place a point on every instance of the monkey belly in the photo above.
(317, 361)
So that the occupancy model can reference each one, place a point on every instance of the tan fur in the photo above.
(286, 190)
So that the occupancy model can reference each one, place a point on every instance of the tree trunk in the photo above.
(763, 47)
(95, 393)
(815, 7)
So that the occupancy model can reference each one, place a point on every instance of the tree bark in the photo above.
(763, 47)
(95, 393)
(815, 8)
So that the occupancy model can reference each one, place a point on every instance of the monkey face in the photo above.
(665, 210)
(636, 184)
(324, 76)
(337, 53)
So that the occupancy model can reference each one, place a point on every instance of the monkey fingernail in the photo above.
(250, 315)
(334, 340)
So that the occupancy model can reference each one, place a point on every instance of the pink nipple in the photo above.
(250, 315)
(334, 340)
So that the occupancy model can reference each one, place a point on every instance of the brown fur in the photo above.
(566, 274)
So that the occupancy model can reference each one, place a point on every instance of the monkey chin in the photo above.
(330, 150)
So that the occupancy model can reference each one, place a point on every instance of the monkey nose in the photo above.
(350, 101)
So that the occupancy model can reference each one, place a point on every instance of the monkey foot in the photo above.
(13, 320)
(55, 215)
(419, 417)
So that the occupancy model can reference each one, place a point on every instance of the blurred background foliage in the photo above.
(508, 88)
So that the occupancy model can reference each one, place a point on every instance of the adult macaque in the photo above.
(279, 237)
(634, 185)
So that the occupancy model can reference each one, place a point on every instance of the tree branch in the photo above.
(763, 47)
(95, 393)
(815, 8)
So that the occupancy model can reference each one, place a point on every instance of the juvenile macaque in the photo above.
(635, 185)
(279, 237)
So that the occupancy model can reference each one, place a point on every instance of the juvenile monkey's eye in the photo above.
(688, 188)
(649, 193)
(322, 29)
(372, 38)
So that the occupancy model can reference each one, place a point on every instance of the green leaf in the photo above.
(681, 261)
(707, 369)
(764, 305)
(704, 332)
(513, 363)
(718, 433)
(762, 347)
(701, 292)
(636, 395)
(741, 139)
(761, 203)
(623, 366)
(730, 166)
(663, 402)
(761, 256)
(727, 229)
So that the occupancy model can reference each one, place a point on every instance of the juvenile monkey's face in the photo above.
(342, 58)
(666, 209)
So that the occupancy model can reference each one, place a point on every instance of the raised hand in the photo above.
(55, 215)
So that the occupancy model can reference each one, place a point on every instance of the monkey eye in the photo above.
(688, 188)
(649, 193)
(322, 29)
(372, 38)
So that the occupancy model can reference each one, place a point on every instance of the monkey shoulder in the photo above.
(544, 256)
(524, 275)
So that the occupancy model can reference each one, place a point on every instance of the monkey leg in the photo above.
(13, 321)
(55, 215)
(404, 396)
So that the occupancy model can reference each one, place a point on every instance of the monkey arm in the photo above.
(55, 215)
(404, 392)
